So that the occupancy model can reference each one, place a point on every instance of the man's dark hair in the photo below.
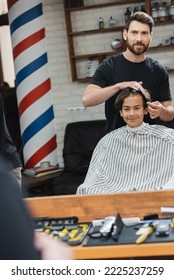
(127, 92)
(140, 17)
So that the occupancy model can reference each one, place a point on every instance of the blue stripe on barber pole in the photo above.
(37, 125)
(31, 68)
(26, 17)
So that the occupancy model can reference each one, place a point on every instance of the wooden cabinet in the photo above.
(71, 34)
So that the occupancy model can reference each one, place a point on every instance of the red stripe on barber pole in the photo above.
(11, 3)
(28, 42)
(34, 95)
(49, 147)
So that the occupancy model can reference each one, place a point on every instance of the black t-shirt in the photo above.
(16, 230)
(117, 69)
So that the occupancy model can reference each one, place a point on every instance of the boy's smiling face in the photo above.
(133, 110)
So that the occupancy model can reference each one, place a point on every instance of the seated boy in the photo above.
(135, 157)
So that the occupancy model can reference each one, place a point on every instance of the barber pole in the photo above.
(33, 84)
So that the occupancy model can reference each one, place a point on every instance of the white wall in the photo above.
(67, 94)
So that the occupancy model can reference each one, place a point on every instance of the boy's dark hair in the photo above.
(127, 92)
(140, 17)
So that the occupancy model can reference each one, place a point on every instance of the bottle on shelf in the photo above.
(135, 10)
(127, 14)
(157, 9)
(166, 10)
(111, 22)
(143, 9)
(101, 23)
(161, 13)
(157, 5)
(154, 14)
(171, 10)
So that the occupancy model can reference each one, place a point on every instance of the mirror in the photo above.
(61, 83)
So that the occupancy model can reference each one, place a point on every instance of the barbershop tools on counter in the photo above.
(112, 227)
(67, 229)
(114, 230)
(148, 230)
(161, 229)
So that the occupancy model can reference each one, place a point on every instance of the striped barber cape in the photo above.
(132, 159)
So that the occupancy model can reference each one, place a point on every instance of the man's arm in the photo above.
(163, 110)
(95, 95)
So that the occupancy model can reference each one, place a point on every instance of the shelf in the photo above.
(81, 56)
(159, 23)
(94, 31)
(84, 80)
(87, 79)
(170, 70)
(123, 2)
(160, 47)
(112, 29)
(104, 54)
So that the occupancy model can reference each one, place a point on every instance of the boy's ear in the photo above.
(146, 111)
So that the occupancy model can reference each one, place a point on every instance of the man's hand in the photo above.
(132, 84)
(155, 109)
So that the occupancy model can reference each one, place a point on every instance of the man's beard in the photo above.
(136, 51)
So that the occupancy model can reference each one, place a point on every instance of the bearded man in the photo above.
(135, 70)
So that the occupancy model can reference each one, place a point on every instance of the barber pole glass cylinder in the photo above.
(33, 83)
